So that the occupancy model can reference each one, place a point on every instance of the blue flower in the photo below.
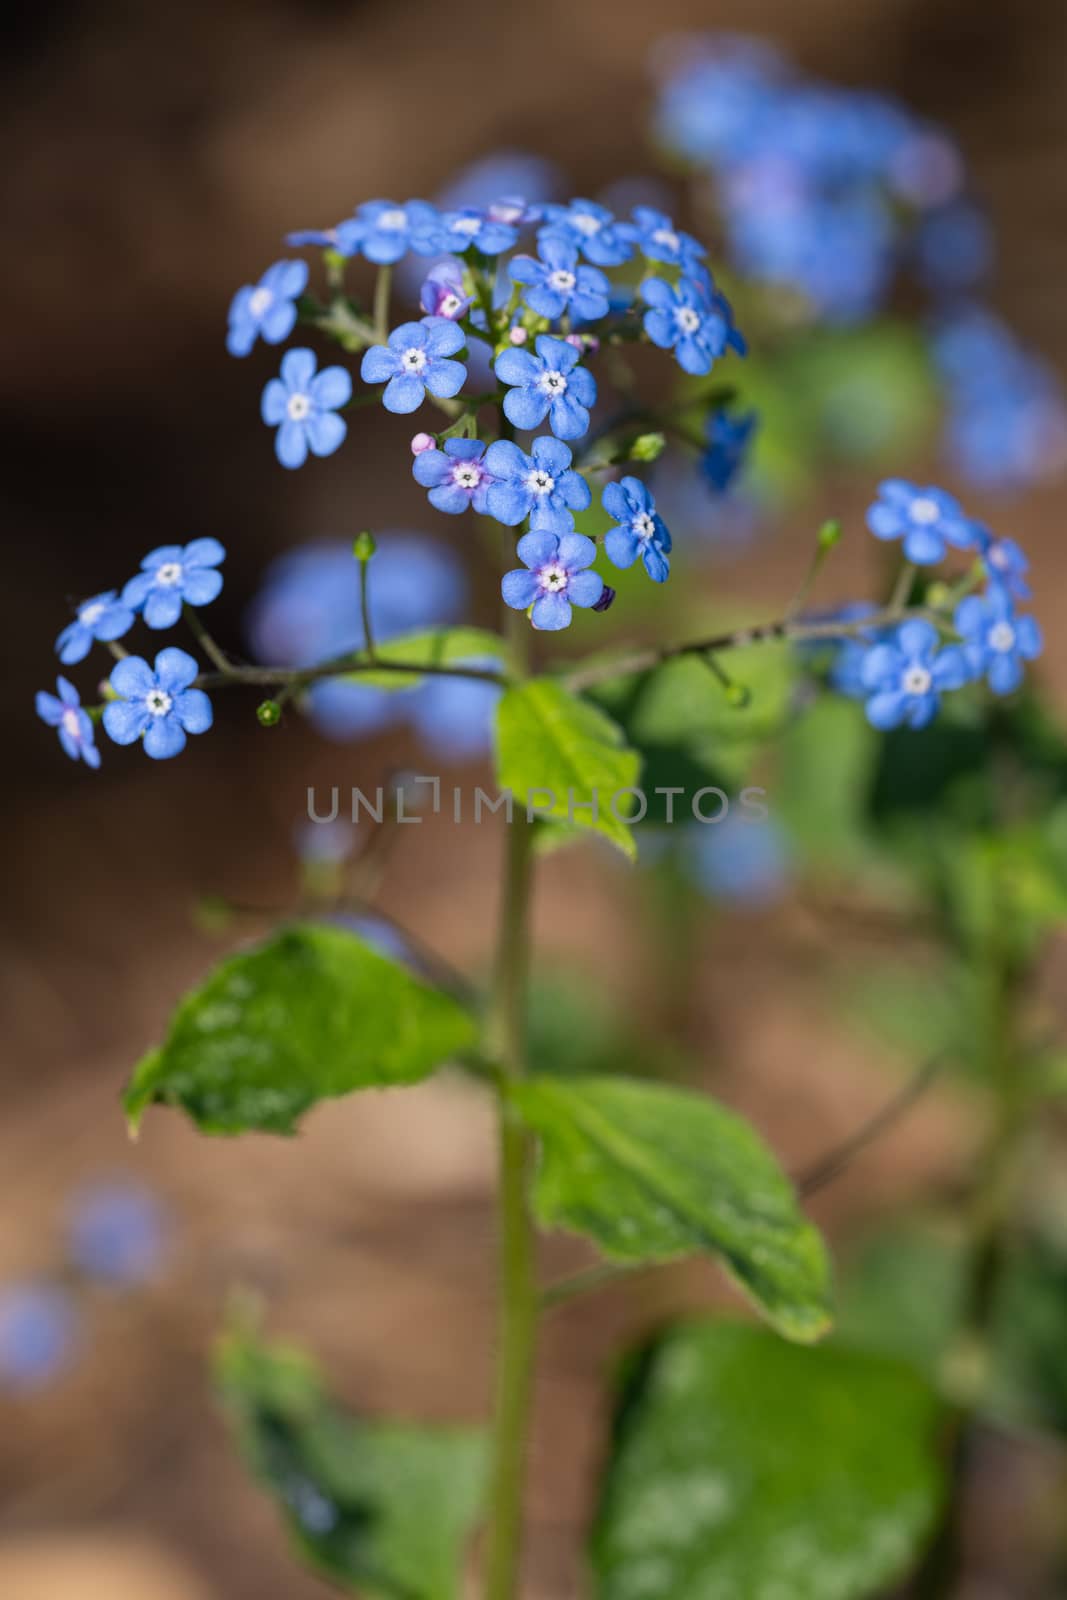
(414, 361)
(302, 405)
(927, 519)
(557, 578)
(308, 611)
(344, 238)
(159, 704)
(996, 640)
(556, 283)
(172, 575)
(385, 232)
(472, 226)
(641, 531)
(266, 310)
(728, 435)
(453, 716)
(75, 726)
(659, 240)
(592, 229)
(695, 323)
(455, 476)
(550, 384)
(906, 676)
(39, 1328)
(115, 1232)
(442, 293)
(742, 860)
(540, 486)
(1006, 563)
(104, 617)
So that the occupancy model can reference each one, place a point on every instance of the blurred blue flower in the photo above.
(63, 711)
(308, 611)
(39, 1332)
(741, 860)
(1006, 563)
(729, 436)
(659, 240)
(906, 676)
(593, 229)
(472, 225)
(103, 617)
(953, 248)
(927, 520)
(116, 1232)
(266, 310)
(454, 716)
(385, 231)
(997, 641)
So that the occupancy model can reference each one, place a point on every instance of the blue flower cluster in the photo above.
(902, 671)
(157, 706)
(831, 194)
(541, 316)
(115, 1234)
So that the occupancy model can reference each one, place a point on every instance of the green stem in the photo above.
(505, 1046)
(382, 290)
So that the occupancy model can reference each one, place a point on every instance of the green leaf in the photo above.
(384, 1508)
(745, 1468)
(652, 1173)
(310, 1013)
(552, 744)
(438, 647)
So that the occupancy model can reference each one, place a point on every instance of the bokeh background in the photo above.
(152, 159)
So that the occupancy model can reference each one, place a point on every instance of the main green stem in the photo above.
(517, 1283)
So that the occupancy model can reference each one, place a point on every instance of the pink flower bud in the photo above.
(518, 335)
(421, 442)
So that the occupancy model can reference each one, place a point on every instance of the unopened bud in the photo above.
(518, 334)
(607, 599)
(737, 695)
(268, 714)
(364, 546)
(421, 442)
(829, 534)
(648, 447)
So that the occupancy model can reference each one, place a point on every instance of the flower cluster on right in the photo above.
(902, 670)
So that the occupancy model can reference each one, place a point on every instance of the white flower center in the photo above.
(393, 221)
(917, 680)
(467, 476)
(71, 724)
(664, 237)
(553, 384)
(540, 482)
(553, 577)
(924, 511)
(169, 574)
(92, 612)
(413, 360)
(687, 319)
(502, 211)
(1002, 637)
(468, 226)
(997, 556)
(585, 223)
(158, 702)
(298, 407)
(562, 280)
(644, 526)
(261, 302)
(450, 306)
